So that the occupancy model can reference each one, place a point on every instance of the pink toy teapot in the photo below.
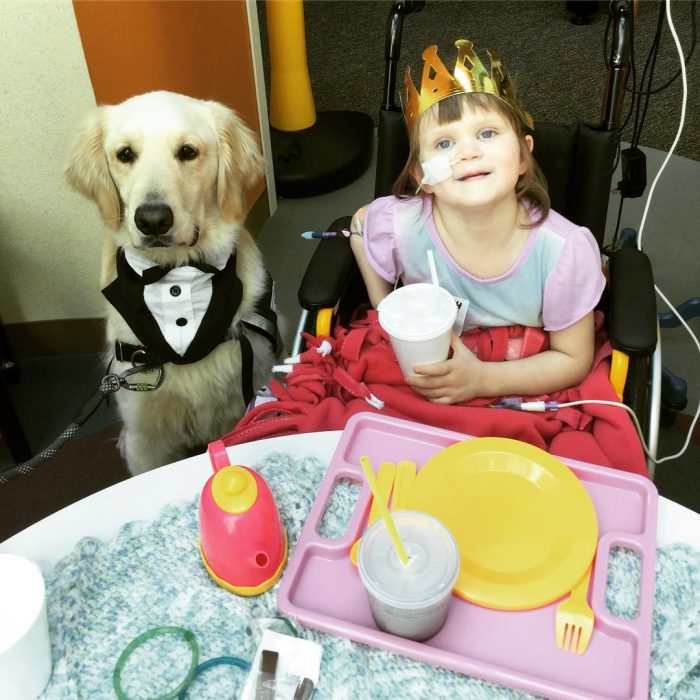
(241, 537)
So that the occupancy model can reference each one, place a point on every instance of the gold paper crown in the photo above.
(469, 76)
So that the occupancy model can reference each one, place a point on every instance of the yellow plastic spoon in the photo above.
(385, 480)
(383, 510)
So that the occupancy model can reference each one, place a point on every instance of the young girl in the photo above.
(472, 194)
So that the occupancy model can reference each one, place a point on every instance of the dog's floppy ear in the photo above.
(240, 162)
(87, 170)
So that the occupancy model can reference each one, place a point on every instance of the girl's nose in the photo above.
(468, 149)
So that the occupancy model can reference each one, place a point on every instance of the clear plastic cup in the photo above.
(418, 319)
(409, 600)
(25, 650)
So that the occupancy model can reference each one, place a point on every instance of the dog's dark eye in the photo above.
(187, 153)
(126, 155)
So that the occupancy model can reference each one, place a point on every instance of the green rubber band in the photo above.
(289, 624)
(187, 636)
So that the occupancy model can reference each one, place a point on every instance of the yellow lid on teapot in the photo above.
(234, 489)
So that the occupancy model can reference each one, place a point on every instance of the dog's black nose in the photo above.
(153, 219)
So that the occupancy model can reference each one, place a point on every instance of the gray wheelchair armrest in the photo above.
(328, 270)
(632, 321)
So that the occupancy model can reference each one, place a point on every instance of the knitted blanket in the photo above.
(104, 594)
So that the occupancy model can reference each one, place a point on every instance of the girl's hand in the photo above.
(451, 381)
(567, 362)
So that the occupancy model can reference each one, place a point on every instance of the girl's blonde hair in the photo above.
(531, 185)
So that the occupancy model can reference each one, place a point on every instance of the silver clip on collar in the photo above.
(111, 383)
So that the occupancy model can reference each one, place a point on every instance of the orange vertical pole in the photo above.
(291, 100)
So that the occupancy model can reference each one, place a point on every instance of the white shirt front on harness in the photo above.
(179, 300)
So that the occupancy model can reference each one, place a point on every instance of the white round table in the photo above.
(142, 498)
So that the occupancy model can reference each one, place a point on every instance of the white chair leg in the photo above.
(296, 347)
(654, 405)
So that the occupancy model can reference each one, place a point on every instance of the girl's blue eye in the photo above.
(443, 145)
(487, 134)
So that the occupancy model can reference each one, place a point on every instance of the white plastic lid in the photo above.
(433, 561)
(417, 311)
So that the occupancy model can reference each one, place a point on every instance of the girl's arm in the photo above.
(567, 362)
(377, 286)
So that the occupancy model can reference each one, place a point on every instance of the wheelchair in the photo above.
(578, 161)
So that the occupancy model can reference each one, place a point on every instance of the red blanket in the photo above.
(356, 371)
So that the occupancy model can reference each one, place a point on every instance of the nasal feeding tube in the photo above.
(436, 170)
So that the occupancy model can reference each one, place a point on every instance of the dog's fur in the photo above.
(197, 402)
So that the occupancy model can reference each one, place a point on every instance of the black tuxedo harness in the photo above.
(126, 295)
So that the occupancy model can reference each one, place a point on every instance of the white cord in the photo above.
(681, 124)
(635, 420)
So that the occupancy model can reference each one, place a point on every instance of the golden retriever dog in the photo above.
(189, 295)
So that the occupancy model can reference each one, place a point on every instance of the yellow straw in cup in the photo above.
(383, 510)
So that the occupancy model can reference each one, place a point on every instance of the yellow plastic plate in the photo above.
(525, 525)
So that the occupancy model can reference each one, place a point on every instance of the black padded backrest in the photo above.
(577, 161)
(392, 150)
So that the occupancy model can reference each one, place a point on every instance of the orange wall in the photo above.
(196, 47)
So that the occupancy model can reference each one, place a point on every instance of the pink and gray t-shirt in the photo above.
(555, 281)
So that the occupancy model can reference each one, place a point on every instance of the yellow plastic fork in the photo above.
(574, 618)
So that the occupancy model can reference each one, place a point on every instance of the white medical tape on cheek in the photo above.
(436, 170)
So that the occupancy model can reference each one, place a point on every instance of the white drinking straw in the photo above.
(433, 269)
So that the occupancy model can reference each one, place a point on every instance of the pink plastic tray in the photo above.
(322, 589)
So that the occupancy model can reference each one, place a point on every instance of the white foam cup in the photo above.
(410, 600)
(25, 650)
(418, 319)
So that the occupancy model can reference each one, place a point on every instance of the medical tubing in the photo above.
(541, 406)
(697, 411)
(681, 124)
(635, 420)
(85, 411)
(218, 661)
(633, 415)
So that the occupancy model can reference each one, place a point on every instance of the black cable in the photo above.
(633, 73)
(613, 247)
(636, 106)
(693, 25)
(649, 65)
